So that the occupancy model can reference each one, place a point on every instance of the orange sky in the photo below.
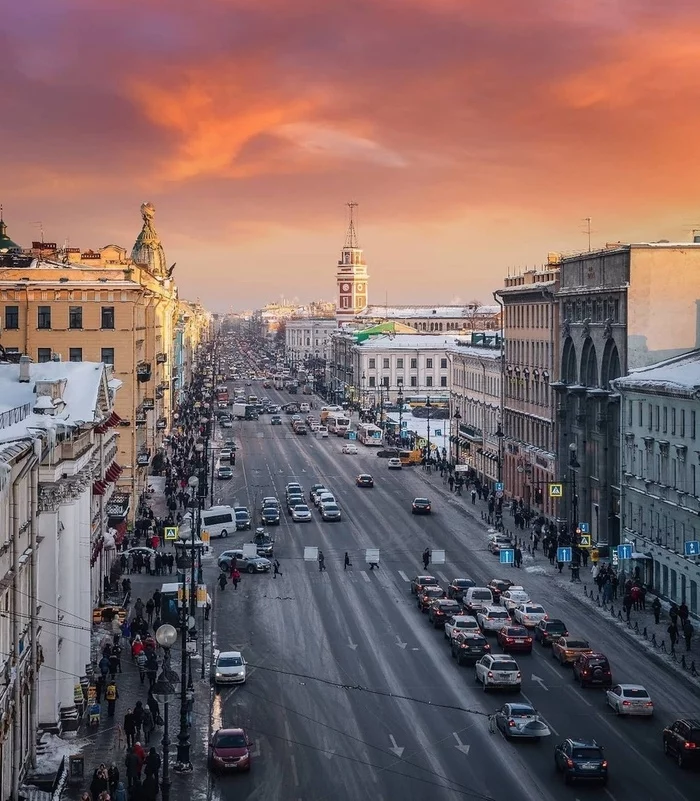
(475, 136)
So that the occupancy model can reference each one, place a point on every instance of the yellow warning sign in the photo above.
(585, 541)
(170, 533)
(556, 490)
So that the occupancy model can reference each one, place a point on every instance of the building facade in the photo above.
(351, 276)
(660, 474)
(530, 332)
(454, 319)
(308, 338)
(475, 407)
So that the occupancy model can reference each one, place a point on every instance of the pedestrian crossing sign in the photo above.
(556, 490)
(170, 533)
(585, 541)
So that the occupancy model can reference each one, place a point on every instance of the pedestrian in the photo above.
(138, 718)
(149, 789)
(672, 633)
(120, 793)
(141, 662)
(131, 762)
(673, 614)
(276, 569)
(113, 776)
(656, 609)
(321, 561)
(129, 728)
(104, 666)
(222, 580)
(518, 557)
(473, 497)
(346, 561)
(138, 608)
(111, 695)
(148, 724)
(560, 566)
(152, 764)
(207, 609)
(426, 558)
(150, 607)
(627, 604)
(451, 483)
(687, 633)
(235, 577)
(683, 613)
(100, 781)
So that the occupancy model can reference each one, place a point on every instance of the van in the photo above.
(304, 407)
(219, 521)
(476, 597)
(410, 457)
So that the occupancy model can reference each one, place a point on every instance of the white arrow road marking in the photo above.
(460, 745)
(403, 576)
(351, 644)
(539, 681)
(401, 645)
(395, 749)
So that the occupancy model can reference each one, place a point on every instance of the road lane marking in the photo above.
(443, 577)
(463, 747)
(395, 749)
(403, 576)
(546, 722)
(295, 774)
(402, 645)
(366, 577)
(579, 695)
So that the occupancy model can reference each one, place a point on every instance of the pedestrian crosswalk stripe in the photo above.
(366, 577)
(403, 575)
(443, 577)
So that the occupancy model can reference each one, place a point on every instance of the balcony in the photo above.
(143, 372)
(143, 459)
(159, 393)
(140, 419)
(161, 424)
(73, 449)
(471, 433)
(148, 404)
(161, 358)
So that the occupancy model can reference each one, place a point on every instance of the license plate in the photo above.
(588, 766)
(519, 640)
(505, 676)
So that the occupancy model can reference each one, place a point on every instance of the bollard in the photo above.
(585, 591)
(619, 615)
(693, 671)
(598, 599)
(673, 655)
(663, 646)
(646, 636)
(683, 665)
(653, 640)
(636, 627)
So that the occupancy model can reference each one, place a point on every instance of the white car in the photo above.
(315, 426)
(529, 615)
(225, 454)
(230, 668)
(301, 513)
(457, 623)
(492, 619)
(324, 497)
(350, 448)
(514, 597)
(630, 699)
(394, 464)
(495, 671)
(322, 431)
(499, 543)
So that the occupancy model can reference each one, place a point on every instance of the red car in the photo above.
(515, 638)
(428, 595)
(229, 749)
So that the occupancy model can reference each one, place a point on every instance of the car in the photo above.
(546, 631)
(229, 668)
(491, 619)
(498, 671)
(242, 516)
(330, 511)
(275, 420)
(567, 649)
(229, 443)
(314, 489)
(301, 513)
(388, 453)
(681, 740)
(394, 464)
(226, 422)
(294, 487)
(314, 426)
(300, 429)
(529, 615)
(270, 516)
(427, 596)
(514, 638)
(458, 586)
(364, 480)
(630, 699)
(581, 760)
(269, 500)
(475, 599)
(498, 544)
(245, 564)
(459, 622)
(322, 432)
(498, 587)
(314, 496)
(229, 750)
(420, 506)
(225, 454)
(224, 472)
(593, 668)
(294, 500)
(349, 448)
(419, 583)
(324, 496)
(521, 721)
(468, 647)
(264, 543)
(514, 597)
(440, 609)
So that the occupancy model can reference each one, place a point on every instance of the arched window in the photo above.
(569, 373)
(610, 369)
(589, 364)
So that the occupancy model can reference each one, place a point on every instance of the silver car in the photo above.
(230, 668)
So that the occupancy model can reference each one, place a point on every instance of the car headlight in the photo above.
(219, 675)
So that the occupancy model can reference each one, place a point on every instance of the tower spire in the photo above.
(351, 236)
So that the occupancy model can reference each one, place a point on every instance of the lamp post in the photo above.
(573, 465)
(183, 745)
(500, 435)
(457, 417)
(164, 690)
(399, 399)
(428, 407)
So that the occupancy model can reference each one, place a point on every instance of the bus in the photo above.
(436, 401)
(369, 434)
(337, 423)
(222, 394)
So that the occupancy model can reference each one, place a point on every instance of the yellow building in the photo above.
(104, 306)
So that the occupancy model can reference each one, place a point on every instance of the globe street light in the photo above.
(164, 690)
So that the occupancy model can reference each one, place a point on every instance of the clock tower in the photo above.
(351, 275)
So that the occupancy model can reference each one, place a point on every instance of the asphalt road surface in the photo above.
(352, 694)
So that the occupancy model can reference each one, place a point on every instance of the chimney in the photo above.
(55, 357)
(24, 362)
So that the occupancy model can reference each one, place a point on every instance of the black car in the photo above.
(546, 631)
(581, 760)
(468, 647)
(421, 506)
(498, 587)
(681, 740)
(364, 480)
(442, 608)
(458, 587)
(270, 516)
(243, 520)
(593, 668)
(388, 453)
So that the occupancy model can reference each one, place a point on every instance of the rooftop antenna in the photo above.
(351, 236)
(386, 304)
(41, 229)
(588, 231)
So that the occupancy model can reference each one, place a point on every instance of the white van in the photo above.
(304, 407)
(476, 597)
(219, 521)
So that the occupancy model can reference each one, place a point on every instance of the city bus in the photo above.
(222, 394)
(436, 401)
(337, 423)
(369, 434)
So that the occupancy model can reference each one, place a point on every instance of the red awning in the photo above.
(101, 429)
(114, 419)
(99, 487)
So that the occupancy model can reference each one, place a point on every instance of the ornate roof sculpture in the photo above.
(6, 244)
(148, 249)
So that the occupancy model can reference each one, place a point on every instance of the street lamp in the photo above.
(500, 435)
(573, 465)
(428, 407)
(164, 690)
(457, 417)
(399, 399)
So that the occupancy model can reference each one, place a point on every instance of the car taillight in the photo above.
(604, 763)
(509, 639)
(625, 703)
(689, 745)
(487, 647)
(584, 672)
(528, 639)
(649, 703)
(569, 763)
(511, 723)
(546, 617)
(518, 676)
(490, 674)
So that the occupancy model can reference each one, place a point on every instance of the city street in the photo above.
(352, 694)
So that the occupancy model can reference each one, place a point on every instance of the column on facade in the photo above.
(69, 555)
(48, 591)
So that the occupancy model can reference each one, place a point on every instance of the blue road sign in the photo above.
(404, 424)
(563, 554)
(584, 528)
(624, 551)
(499, 486)
(438, 432)
(692, 548)
(506, 556)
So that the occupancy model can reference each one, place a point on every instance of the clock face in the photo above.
(360, 287)
(345, 287)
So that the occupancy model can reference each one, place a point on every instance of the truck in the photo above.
(244, 411)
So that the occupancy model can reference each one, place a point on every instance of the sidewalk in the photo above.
(651, 636)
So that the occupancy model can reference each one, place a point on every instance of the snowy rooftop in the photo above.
(679, 374)
(408, 312)
(409, 342)
(84, 391)
(478, 352)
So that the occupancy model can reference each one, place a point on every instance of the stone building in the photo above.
(431, 319)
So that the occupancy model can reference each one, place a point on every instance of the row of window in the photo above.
(74, 354)
(477, 380)
(532, 353)
(44, 317)
(525, 429)
(535, 392)
(413, 381)
(528, 315)
(660, 467)
(597, 311)
(662, 419)
(413, 364)
(659, 527)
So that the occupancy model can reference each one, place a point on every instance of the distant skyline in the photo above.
(475, 137)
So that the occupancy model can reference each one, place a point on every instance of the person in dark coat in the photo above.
(154, 707)
(152, 764)
(138, 717)
(149, 788)
(656, 609)
(100, 781)
(130, 728)
(113, 776)
(132, 768)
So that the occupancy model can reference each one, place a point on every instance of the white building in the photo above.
(476, 375)
(660, 474)
(430, 319)
(308, 338)
(57, 472)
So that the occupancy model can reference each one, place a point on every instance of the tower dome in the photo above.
(6, 244)
(148, 249)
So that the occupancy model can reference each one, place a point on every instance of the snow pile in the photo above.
(536, 569)
(51, 750)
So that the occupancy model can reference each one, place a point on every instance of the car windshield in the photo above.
(421, 500)
(434, 591)
(555, 625)
(482, 595)
(462, 583)
(598, 663)
(330, 507)
(504, 666)
(522, 711)
(301, 507)
(230, 741)
(630, 692)
(230, 661)
(534, 610)
(449, 605)
(516, 632)
(586, 753)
